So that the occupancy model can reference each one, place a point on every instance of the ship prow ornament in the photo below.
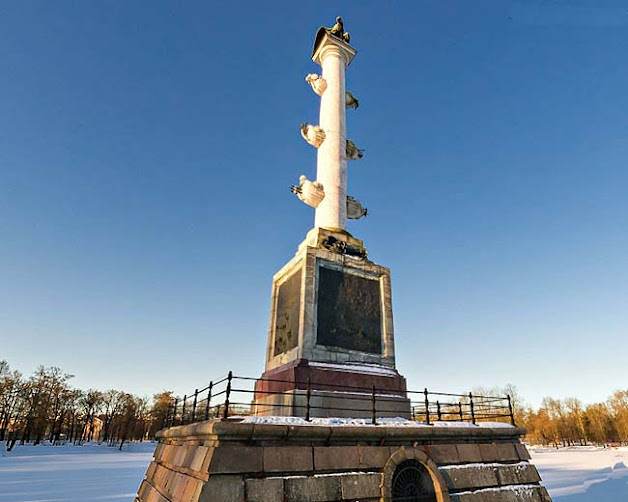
(318, 83)
(310, 192)
(314, 135)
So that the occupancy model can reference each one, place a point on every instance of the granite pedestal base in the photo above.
(235, 461)
(336, 390)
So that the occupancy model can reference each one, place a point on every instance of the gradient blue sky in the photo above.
(146, 150)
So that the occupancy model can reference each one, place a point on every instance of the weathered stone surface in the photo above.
(151, 470)
(327, 458)
(503, 495)
(488, 452)
(444, 454)
(264, 490)
(507, 452)
(287, 311)
(192, 490)
(517, 474)
(472, 476)
(469, 452)
(312, 489)
(238, 459)
(372, 456)
(198, 457)
(357, 486)
(154, 496)
(467, 497)
(288, 459)
(522, 451)
(543, 495)
(223, 487)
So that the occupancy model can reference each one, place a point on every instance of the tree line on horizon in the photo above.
(568, 422)
(45, 406)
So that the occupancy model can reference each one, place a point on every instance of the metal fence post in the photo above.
(460, 411)
(183, 409)
(374, 406)
(227, 395)
(472, 409)
(209, 398)
(512, 415)
(174, 414)
(308, 395)
(427, 407)
(438, 413)
(194, 405)
(167, 418)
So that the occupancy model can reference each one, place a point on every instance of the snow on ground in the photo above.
(94, 472)
(583, 474)
(70, 473)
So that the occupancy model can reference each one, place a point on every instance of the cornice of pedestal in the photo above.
(329, 43)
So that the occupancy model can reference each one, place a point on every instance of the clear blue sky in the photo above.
(146, 150)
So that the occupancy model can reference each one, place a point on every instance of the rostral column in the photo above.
(331, 325)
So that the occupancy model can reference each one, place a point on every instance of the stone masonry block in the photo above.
(237, 459)
(507, 452)
(264, 490)
(469, 477)
(443, 454)
(370, 457)
(312, 489)
(488, 451)
(143, 489)
(329, 458)
(182, 483)
(196, 463)
(190, 452)
(466, 497)
(469, 452)
(192, 490)
(501, 496)
(522, 451)
(517, 474)
(151, 470)
(208, 457)
(179, 457)
(154, 496)
(288, 459)
(223, 488)
(360, 486)
(544, 496)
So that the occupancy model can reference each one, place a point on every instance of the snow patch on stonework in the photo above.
(358, 368)
(519, 489)
(363, 422)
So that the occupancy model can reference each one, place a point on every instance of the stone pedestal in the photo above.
(331, 325)
(235, 461)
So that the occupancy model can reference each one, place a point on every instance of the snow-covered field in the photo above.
(584, 474)
(72, 473)
(98, 473)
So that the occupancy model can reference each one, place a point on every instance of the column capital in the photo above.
(328, 44)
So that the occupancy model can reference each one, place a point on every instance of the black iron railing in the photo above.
(237, 396)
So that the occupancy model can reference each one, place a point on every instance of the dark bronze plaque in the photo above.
(287, 314)
(349, 311)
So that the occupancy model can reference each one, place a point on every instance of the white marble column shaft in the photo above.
(331, 168)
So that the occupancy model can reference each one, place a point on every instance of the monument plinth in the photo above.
(331, 353)
(331, 322)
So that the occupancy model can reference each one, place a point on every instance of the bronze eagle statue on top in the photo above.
(338, 30)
